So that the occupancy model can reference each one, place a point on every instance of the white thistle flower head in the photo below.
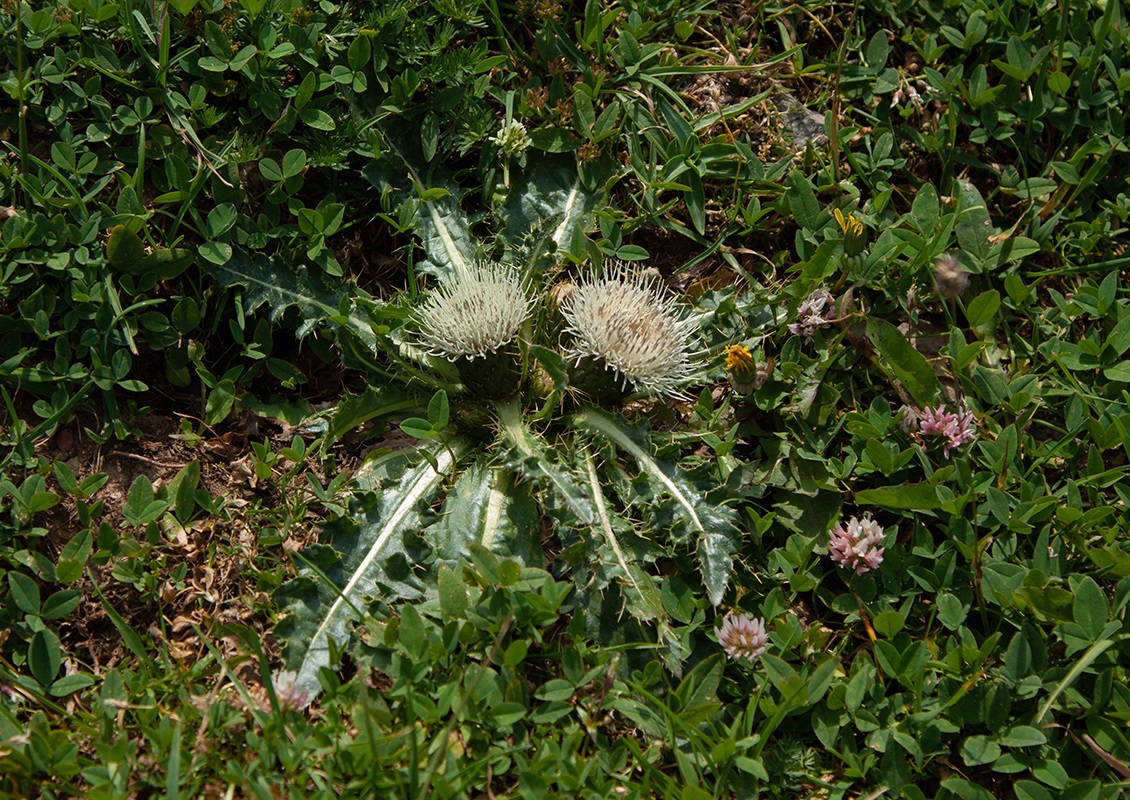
(475, 313)
(625, 322)
(512, 139)
(742, 636)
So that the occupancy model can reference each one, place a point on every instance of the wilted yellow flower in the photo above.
(855, 239)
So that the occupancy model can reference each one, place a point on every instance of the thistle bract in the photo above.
(477, 315)
(626, 332)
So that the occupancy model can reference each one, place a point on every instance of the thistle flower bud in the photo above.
(623, 324)
(950, 278)
(476, 315)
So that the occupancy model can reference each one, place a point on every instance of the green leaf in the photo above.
(629, 49)
(360, 52)
(317, 119)
(531, 457)
(1090, 607)
(977, 750)
(711, 525)
(967, 790)
(1030, 790)
(973, 224)
(293, 163)
(903, 497)
(642, 596)
(1023, 736)
(125, 251)
(220, 220)
(374, 403)
(279, 286)
(220, 402)
(44, 657)
(1059, 83)
(443, 228)
(452, 593)
(489, 507)
(438, 411)
(367, 540)
(983, 308)
(24, 592)
(806, 209)
(903, 363)
(548, 201)
(69, 684)
(418, 428)
(877, 51)
(61, 603)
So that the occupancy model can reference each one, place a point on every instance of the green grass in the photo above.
(256, 543)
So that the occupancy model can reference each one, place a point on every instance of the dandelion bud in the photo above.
(742, 636)
(854, 236)
(746, 375)
(473, 321)
(950, 278)
(625, 332)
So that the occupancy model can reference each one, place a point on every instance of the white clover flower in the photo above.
(859, 546)
(475, 313)
(950, 278)
(512, 139)
(957, 427)
(626, 322)
(286, 690)
(810, 314)
(742, 636)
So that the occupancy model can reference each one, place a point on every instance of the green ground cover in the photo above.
(636, 399)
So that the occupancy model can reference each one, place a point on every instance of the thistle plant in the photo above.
(625, 332)
(519, 464)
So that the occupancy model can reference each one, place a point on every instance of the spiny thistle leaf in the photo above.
(354, 410)
(278, 285)
(711, 525)
(550, 201)
(443, 228)
(531, 458)
(642, 597)
(486, 506)
(368, 542)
